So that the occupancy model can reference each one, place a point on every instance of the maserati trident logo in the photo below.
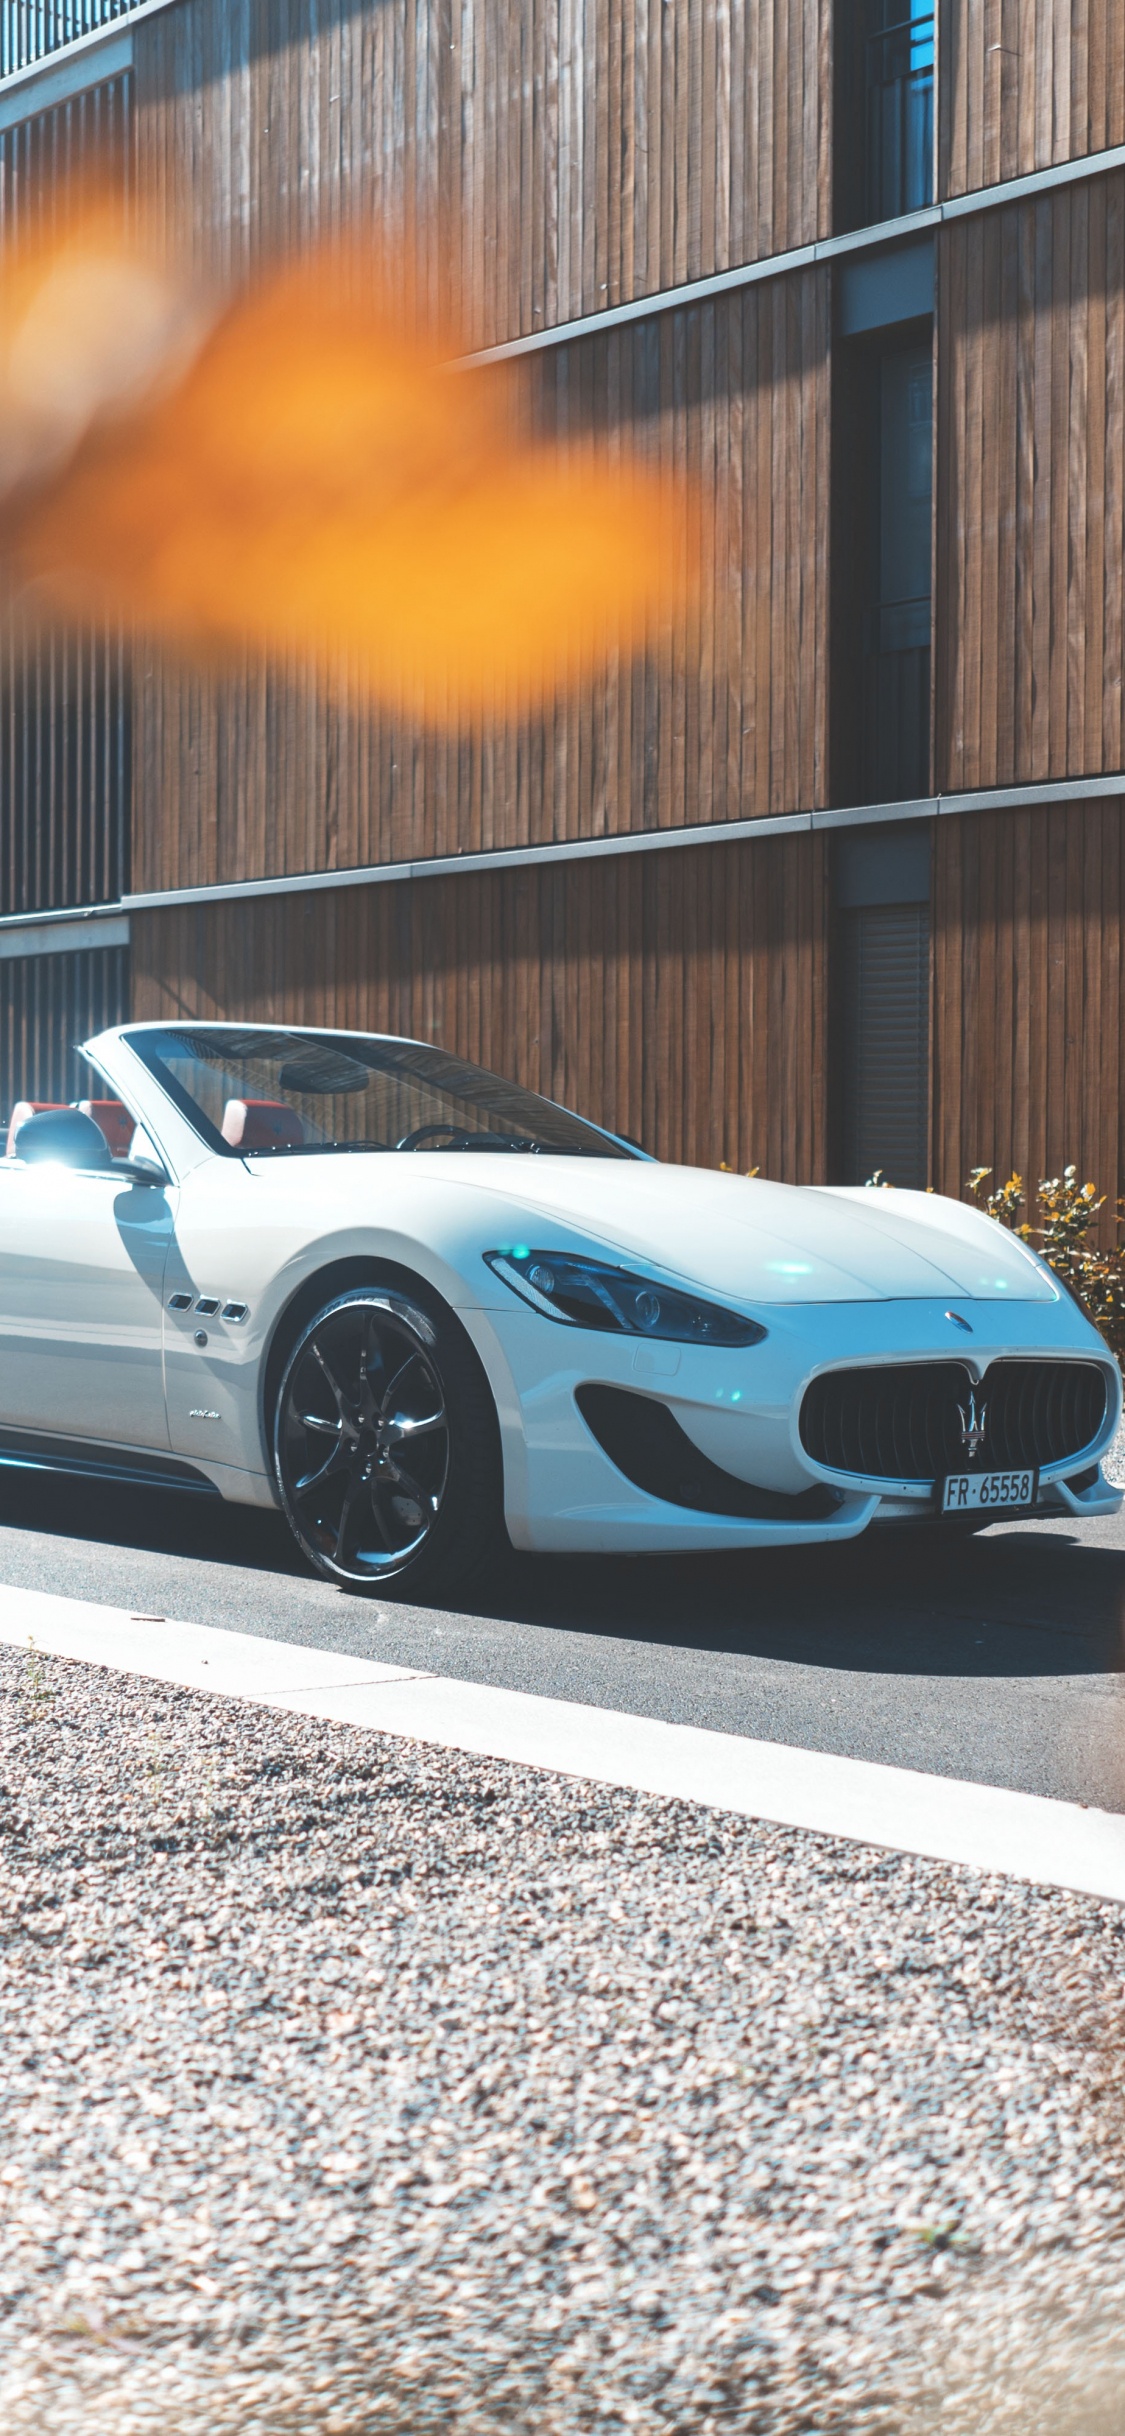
(974, 1423)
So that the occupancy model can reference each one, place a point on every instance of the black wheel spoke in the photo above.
(393, 1381)
(402, 1428)
(335, 1461)
(389, 1523)
(332, 1383)
(351, 1495)
(407, 1484)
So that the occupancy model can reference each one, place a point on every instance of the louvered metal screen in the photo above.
(64, 769)
(886, 1044)
(47, 1003)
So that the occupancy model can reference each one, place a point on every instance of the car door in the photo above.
(82, 1259)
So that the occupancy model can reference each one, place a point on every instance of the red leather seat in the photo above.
(115, 1122)
(261, 1125)
(21, 1112)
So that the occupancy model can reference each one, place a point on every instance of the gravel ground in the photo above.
(350, 2085)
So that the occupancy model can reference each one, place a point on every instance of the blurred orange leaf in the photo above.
(320, 481)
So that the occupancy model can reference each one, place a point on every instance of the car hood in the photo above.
(733, 1235)
(782, 1243)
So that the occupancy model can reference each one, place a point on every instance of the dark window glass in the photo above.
(905, 484)
(899, 111)
(896, 674)
(882, 518)
(884, 110)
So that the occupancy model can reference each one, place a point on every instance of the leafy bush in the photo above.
(1066, 1212)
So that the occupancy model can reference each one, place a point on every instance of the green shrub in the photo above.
(1066, 1211)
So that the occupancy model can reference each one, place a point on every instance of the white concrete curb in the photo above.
(944, 1818)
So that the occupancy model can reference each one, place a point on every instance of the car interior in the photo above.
(97, 1134)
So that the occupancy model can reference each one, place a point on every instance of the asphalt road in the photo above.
(1000, 1658)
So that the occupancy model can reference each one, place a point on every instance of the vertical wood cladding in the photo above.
(677, 997)
(571, 153)
(1031, 490)
(1029, 994)
(256, 775)
(1021, 86)
(65, 731)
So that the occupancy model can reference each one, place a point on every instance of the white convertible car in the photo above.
(416, 1305)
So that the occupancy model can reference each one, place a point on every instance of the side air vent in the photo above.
(179, 1302)
(645, 1442)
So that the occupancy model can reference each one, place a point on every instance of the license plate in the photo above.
(969, 1492)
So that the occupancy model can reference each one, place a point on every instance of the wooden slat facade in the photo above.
(682, 997)
(253, 775)
(1021, 87)
(562, 154)
(1029, 993)
(677, 997)
(1031, 490)
(65, 743)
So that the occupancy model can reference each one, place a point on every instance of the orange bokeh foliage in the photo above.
(319, 480)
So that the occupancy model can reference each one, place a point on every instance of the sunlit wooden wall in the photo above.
(677, 997)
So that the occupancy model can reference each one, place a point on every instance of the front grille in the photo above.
(903, 1423)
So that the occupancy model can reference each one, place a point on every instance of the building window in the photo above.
(882, 530)
(895, 751)
(881, 990)
(884, 144)
(898, 77)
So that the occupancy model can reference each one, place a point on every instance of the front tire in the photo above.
(385, 1446)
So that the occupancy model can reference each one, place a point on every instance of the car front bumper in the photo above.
(740, 1408)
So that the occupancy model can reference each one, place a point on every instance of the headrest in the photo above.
(261, 1125)
(20, 1113)
(65, 1137)
(114, 1121)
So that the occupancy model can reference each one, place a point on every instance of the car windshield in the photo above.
(267, 1094)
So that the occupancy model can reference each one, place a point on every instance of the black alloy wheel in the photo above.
(385, 1446)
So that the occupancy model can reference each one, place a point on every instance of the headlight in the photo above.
(591, 1294)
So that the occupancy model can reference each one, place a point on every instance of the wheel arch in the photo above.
(323, 1286)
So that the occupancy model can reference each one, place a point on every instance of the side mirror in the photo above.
(141, 1171)
(64, 1138)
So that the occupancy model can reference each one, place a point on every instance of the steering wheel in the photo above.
(425, 1133)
